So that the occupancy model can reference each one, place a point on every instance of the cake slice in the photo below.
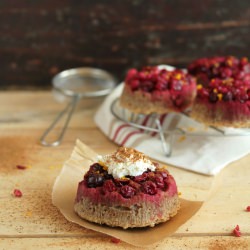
(223, 91)
(158, 90)
(126, 189)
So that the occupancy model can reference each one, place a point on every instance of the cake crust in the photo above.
(138, 215)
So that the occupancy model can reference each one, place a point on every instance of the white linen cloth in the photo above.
(201, 149)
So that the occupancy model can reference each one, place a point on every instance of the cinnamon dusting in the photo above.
(123, 153)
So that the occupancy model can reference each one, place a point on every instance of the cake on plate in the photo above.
(126, 189)
(223, 91)
(158, 90)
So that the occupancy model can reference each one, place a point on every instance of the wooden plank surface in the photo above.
(32, 222)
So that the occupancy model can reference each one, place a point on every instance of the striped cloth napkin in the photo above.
(195, 147)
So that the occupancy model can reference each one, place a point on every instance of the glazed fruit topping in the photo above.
(127, 191)
(149, 182)
(151, 79)
(149, 187)
(222, 78)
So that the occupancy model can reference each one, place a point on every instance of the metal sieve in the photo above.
(78, 83)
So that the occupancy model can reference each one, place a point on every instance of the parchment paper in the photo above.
(64, 193)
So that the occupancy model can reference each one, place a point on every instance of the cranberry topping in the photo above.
(140, 178)
(109, 186)
(222, 78)
(121, 182)
(149, 182)
(159, 181)
(95, 180)
(151, 79)
(149, 187)
(127, 191)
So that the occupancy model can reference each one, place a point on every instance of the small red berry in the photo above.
(149, 187)
(236, 231)
(115, 240)
(127, 191)
(17, 193)
(248, 208)
(159, 181)
(141, 178)
(21, 167)
(109, 186)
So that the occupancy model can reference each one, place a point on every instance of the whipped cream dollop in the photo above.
(126, 161)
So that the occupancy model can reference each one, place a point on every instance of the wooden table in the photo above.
(32, 222)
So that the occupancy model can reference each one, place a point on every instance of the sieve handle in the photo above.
(69, 110)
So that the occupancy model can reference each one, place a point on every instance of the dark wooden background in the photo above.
(39, 38)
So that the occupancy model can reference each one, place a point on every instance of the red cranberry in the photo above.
(228, 96)
(134, 84)
(127, 191)
(151, 175)
(131, 73)
(226, 72)
(141, 178)
(213, 97)
(161, 85)
(121, 182)
(203, 92)
(242, 98)
(149, 187)
(109, 186)
(248, 93)
(21, 167)
(94, 180)
(134, 184)
(163, 173)
(166, 184)
(176, 85)
(17, 193)
(147, 86)
(159, 181)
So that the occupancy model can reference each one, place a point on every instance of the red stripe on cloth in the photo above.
(144, 122)
(129, 135)
(118, 130)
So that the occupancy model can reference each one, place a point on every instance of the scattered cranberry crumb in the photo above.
(115, 240)
(236, 231)
(248, 208)
(21, 167)
(17, 193)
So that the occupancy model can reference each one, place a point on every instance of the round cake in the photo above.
(126, 189)
(223, 91)
(157, 90)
